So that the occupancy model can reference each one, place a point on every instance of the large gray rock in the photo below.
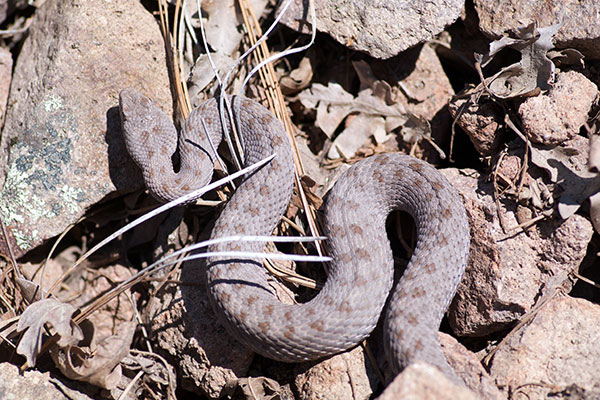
(61, 148)
(381, 28)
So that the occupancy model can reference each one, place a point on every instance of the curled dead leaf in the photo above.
(30, 291)
(565, 169)
(534, 72)
(258, 388)
(99, 366)
(298, 79)
(566, 57)
(36, 316)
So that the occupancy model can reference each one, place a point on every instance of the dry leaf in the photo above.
(373, 116)
(154, 371)
(221, 25)
(30, 291)
(415, 129)
(202, 74)
(577, 182)
(260, 388)
(534, 72)
(332, 103)
(99, 366)
(33, 319)
(358, 130)
(566, 57)
(298, 79)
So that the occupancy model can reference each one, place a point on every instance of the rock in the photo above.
(423, 381)
(33, 385)
(506, 274)
(62, 134)
(581, 29)
(468, 367)
(383, 29)
(182, 324)
(481, 122)
(342, 376)
(556, 355)
(556, 117)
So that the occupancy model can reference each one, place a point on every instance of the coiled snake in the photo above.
(360, 276)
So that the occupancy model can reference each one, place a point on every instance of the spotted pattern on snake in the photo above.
(361, 274)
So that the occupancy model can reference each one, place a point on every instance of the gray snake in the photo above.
(361, 274)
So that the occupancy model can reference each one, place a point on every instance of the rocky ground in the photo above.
(502, 96)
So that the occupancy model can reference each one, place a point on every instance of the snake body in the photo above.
(361, 274)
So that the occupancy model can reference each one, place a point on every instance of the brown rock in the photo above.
(481, 122)
(342, 376)
(62, 134)
(423, 381)
(581, 29)
(556, 355)
(556, 117)
(468, 367)
(506, 274)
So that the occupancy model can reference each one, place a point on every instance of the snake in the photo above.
(360, 281)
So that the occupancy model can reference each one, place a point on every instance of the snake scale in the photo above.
(361, 274)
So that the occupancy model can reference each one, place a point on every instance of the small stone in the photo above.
(556, 117)
(510, 168)
(481, 122)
